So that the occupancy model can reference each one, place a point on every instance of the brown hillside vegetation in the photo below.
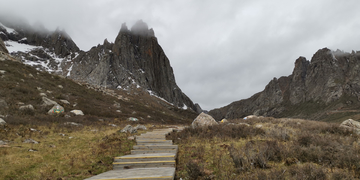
(268, 148)
(65, 151)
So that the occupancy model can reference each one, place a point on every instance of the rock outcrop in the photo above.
(134, 60)
(203, 120)
(331, 81)
(3, 47)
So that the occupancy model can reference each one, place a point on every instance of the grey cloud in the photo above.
(221, 51)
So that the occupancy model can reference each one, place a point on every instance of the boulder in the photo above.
(77, 112)
(72, 124)
(3, 104)
(27, 107)
(128, 128)
(203, 120)
(2, 122)
(64, 101)
(57, 109)
(31, 141)
(250, 117)
(140, 127)
(352, 125)
(48, 102)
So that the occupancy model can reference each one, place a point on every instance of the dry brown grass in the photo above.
(280, 149)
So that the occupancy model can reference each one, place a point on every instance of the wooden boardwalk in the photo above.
(152, 158)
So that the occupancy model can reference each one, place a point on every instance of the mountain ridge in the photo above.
(330, 81)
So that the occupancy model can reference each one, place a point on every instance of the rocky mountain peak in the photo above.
(331, 81)
(141, 28)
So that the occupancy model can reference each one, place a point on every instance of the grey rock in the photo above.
(42, 94)
(2, 71)
(31, 141)
(129, 129)
(2, 122)
(77, 112)
(352, 125)
(27, 107)
(3, 104)
(142, 127)
(113, 125)
(48, 102)
(72, 124)
(60, 86)
(203, 120)
(64, 101)
(3, 142)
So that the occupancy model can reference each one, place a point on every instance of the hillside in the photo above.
(325, 88)
(134, 61)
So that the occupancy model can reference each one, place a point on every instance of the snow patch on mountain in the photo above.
(14, 47)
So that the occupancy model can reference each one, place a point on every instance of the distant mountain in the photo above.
(134, 61)
(326, 87)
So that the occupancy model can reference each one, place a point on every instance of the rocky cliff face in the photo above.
(3, 47)
(134, 60)
(329, 82)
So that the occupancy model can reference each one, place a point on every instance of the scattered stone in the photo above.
(71, 137)
(140, 127)
(61, 134)
(259, 126)
(20, 103)
(39, 88)
(49, 91)
(48, 102)
(34, 130)
(250, 117)
(3, 104)
(74, 104)
(101, 120)
(119, 111)
(116, 104)
(30, 75)
(352, 125)
(72, 124)
(33, 150)
(134, 112)
(3, 142)
(31, 141)
(77, 112)
(2, 72)
(129, 129)
(67, 116)
(27, 107)
(148, 116)
(2, 122)
(52, 146)
(57, 109)
(42, 94)
(64, 101)
(131, 138)
(113, 125)
(22, 80)
(203, 120)
(244, 124)
(60, 86)
(132, 119)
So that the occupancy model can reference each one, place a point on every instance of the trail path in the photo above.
(152, 158)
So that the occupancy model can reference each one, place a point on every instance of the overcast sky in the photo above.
(221, 51)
